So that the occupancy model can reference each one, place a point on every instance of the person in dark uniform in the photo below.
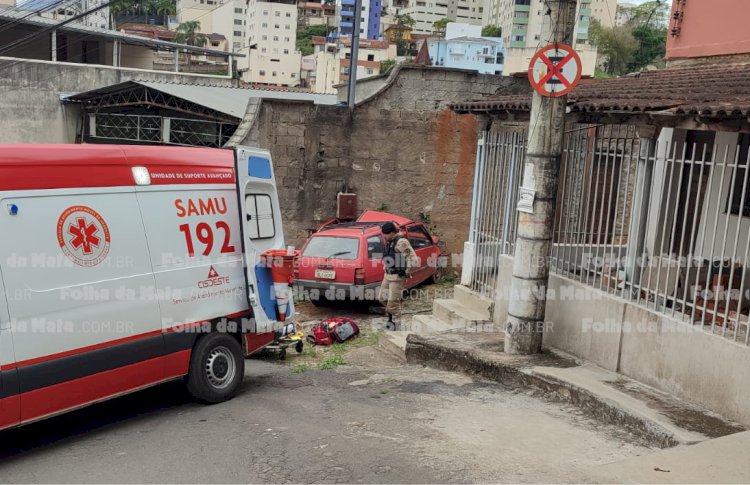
(398, 262)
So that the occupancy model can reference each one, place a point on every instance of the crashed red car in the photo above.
(344, 260)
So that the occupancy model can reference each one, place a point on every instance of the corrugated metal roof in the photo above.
(226, 100)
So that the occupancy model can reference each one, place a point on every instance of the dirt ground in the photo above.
(348, 413)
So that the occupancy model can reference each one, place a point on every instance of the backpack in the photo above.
(335, 329)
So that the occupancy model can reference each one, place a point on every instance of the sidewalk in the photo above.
(720, 460)
(657, 418)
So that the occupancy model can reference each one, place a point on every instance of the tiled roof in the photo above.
(717, 91)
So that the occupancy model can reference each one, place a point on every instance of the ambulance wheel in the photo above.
(216, 368)
(299, 347)
(282, 354)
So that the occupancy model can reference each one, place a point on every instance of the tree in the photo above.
(654, 13)
(117, 8)
(189, 33)
(304, 38)
(440, 26)
(165, 8)
(404, 20)
(652, 46)
(617, 45)
(492, 31)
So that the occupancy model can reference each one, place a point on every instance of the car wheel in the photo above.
(217, 368)
(318, 301)
(438, 275)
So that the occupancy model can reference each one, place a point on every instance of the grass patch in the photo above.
(300, 368)
(333, 362)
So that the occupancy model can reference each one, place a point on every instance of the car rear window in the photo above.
(332, 247)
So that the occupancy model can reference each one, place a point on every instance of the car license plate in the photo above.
(327, 274)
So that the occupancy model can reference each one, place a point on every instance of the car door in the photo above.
(426, 250)
(261, 230)
(375, 250)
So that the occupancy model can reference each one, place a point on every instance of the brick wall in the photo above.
(401, 149)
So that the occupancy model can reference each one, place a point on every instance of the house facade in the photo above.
(465, 48)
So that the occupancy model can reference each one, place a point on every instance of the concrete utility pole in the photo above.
(526, 308)
(354, 56)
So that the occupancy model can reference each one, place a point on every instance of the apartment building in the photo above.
(427, 12)
(522, 21)
(333, 57)
(316, 13)
(272, 55)
(370, 17)
(225, 17)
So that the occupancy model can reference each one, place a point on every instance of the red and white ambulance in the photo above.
(122, 267)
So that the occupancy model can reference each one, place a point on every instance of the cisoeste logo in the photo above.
(83, 235)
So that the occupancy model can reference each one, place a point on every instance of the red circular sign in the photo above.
(83, 235)
(555, 70)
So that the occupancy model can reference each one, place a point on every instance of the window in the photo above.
(286, 51)
(276, 26)
(276, 38)
(348, 55)
(265, 12)
(273, 73)
(286, 39)
(238, 33)
(520, 38)
(275, 60)
(278, 14)
(264, 25)
(294, 75)
(262, 72)
(264, 37)
(288, 14)
(418, 237)
(740, 204)
(263, 50)
(370, 71)
(237, 22)
(375, 247)
(370, 57)
(288, 27)
(237, 10)
(332, 247)
(259, 215)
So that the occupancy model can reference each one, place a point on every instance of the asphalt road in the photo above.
(371, 421)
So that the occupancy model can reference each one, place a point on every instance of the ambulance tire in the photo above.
(217, 368)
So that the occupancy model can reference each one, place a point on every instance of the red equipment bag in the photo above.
(335, 329)
(341, 328)
(320, 335)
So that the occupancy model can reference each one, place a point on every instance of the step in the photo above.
(471, 299)
(423, 324)
(394, 343)
(456, 314)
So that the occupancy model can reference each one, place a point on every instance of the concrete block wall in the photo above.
(401, 149)
(655, 349)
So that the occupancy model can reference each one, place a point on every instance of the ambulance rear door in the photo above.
(261, 229)
(9, 400)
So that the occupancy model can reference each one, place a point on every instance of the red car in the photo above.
(344, 260)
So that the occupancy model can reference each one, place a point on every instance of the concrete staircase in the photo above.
(466, 311)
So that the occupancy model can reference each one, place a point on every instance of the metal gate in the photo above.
(500, 156)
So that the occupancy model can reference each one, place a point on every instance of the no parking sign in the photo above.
(555, 70)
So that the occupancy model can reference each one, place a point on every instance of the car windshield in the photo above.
(332, 247)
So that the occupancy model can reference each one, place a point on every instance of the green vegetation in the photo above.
(640, 42)
(440, 26)
(304, 38)
(386, 66)
(492, 31)
(332, 362)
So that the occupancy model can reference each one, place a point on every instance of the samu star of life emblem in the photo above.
(83, 235)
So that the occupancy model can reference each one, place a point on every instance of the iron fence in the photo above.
(663, 224)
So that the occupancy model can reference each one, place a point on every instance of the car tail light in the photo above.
(359, 276)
